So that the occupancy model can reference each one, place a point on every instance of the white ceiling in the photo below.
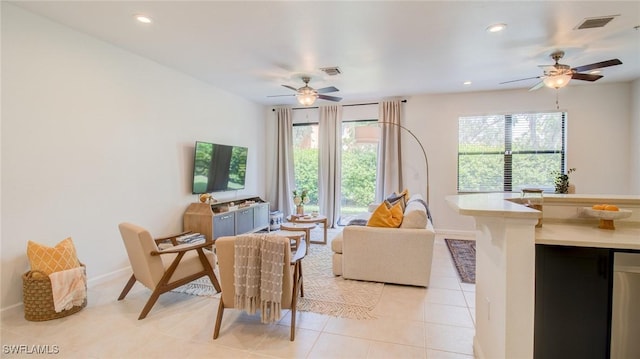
(383, 48)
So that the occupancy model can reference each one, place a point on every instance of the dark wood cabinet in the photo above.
(573, 302)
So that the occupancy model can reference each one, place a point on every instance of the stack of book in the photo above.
(191, 238)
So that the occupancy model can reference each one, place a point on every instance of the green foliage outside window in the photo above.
(510, 152)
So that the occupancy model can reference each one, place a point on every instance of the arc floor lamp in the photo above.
(371, 134)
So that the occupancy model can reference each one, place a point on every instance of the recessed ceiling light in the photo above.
(496, 27)
(595, 72)
(467, 83)
(143, 19)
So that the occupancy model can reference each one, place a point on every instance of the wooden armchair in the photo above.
(291, 279)
(162, 270)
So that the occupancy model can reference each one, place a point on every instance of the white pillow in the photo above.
(415, 216)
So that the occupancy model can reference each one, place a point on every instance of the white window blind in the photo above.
(507, 153)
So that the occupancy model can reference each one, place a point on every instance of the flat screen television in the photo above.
(218, 168)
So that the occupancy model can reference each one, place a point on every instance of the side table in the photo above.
(312, 220)
(296, 227)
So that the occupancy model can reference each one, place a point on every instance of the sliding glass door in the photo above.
(305, 162)
(359, 164)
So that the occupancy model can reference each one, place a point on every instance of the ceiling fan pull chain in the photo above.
(557, 104)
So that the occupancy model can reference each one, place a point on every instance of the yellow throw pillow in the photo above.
(386, 215)
(50, 260)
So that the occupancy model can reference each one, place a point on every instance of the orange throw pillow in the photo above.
(386, 215)
(52, 259)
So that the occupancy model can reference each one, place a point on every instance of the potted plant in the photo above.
(300, 198)
(561, 180)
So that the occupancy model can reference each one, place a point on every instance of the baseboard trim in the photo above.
(91, 282)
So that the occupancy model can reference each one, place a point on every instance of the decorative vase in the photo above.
(300, 209)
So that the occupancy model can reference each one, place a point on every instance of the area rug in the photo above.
(324, 293)
(463, 253)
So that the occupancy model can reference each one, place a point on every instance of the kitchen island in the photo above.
(506, 258)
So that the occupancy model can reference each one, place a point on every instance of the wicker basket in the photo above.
(38, 298)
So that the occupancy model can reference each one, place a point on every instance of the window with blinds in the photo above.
(505, 153)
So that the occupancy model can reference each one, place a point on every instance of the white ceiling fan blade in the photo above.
(537, 86)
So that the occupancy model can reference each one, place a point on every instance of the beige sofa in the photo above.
(390, 255)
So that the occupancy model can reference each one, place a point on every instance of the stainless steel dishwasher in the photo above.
(625, 317)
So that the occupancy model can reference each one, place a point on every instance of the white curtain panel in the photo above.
(389, 173)
(282, 191)
(330, 133)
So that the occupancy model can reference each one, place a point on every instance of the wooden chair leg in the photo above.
(209, 270)
(161, 287)
(297, 285)
(127, 287)
(152, 300)
(301, 279)
(216, 329)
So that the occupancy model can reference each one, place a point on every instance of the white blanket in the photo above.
(68, 288)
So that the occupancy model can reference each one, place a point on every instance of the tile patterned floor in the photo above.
(433, 323)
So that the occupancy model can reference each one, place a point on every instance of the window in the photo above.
(510, 152)
(305, 161)
(359, 167)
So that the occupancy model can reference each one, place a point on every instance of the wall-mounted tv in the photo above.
(218, 168)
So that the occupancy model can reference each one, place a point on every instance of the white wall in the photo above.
(93, 136)
(598, 143)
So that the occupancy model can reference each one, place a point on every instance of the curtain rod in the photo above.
(354, 104)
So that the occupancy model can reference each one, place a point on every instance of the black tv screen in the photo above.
(218, 168)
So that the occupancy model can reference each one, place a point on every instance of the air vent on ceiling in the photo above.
(595, 22)
(331, 71)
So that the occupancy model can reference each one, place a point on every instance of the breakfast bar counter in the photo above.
(589, 235)
(506, 241)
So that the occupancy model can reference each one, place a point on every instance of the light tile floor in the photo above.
(436, 322)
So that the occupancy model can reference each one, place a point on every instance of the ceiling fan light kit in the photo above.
(557, 81)
(558, 75)
(307, 95)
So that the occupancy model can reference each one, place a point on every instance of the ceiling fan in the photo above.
(558, 75)
(307, 95)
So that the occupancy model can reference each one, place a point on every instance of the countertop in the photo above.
(491, 204)
(588, 235)
(582, 232)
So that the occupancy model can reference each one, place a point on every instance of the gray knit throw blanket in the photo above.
(258, 271)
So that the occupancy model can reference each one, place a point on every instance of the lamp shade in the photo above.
(367, 134)
(307, 97)
(557, 81)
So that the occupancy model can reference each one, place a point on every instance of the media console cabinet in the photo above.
(219, 219)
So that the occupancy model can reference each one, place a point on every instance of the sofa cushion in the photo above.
(358, 222)
(336, 243)
(415, 216)
(386, 215)
(402, 197)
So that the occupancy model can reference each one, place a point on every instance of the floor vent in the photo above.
(595, 22)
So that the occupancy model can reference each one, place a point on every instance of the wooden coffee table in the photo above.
(312, 220)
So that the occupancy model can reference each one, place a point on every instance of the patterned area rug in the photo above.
(324, 293)
(463, 253)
